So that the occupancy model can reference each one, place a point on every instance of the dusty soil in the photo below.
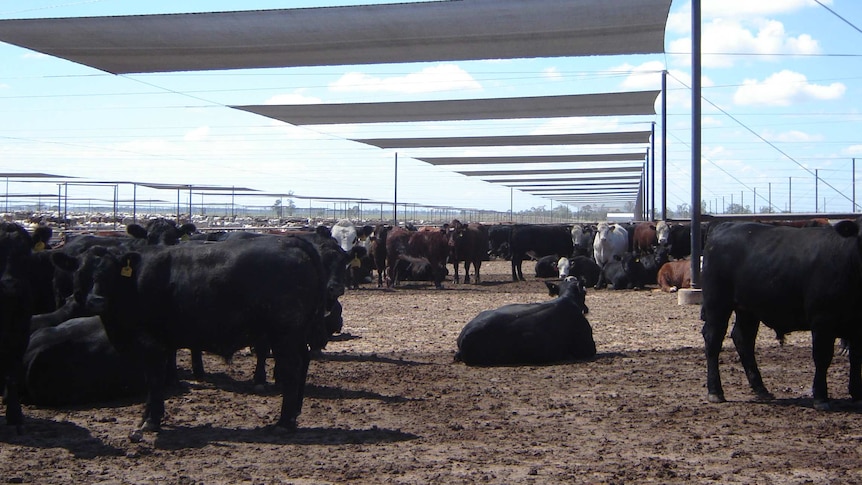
(386, 404)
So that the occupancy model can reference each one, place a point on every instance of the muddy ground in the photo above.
(386, 404)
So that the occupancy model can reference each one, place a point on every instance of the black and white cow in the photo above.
(269, 292)
(531, 333)
(806, 279)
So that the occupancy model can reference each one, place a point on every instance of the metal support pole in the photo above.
(652, 172)
(695, 143)
(664, 145)
(395, 197)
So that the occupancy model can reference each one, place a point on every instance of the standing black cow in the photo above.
(16, 302)
(270, 292)
(538, 241)
(790, 279)
(531, 333)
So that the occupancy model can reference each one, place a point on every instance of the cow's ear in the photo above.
(41, 237)
(188, 228)
(130, 263)
(847, 228)
(137, 231)
(553, 288)
(64, 261)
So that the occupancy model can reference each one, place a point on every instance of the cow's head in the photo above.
(16, 248)
(572, 288)
(662, 233)
(99, 275)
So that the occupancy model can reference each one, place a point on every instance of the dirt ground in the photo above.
(386, 404)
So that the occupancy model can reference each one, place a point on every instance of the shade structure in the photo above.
(367, 34)
(512, 182)
(553, 171)
(602, 104)
(527, 159)
(609, 138)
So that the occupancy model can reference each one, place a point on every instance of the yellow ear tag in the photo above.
(126, 272)
(356, 263)
(40, 246)
(184, 237)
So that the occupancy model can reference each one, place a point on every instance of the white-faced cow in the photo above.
(531, 333)
(610, 240)
(807, 279)
(271, 292)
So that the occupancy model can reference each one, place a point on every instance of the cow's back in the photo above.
(782, 274)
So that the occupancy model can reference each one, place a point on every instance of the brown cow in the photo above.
(674, 275)
(649, 235)
(467, 243)
(416, 248)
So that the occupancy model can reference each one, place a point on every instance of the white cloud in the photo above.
(644, 76)
(198, 134)
(793, 136)
(444, 77)
(783, 89)
(293, 98)
(552, 73)
(680, 21)
(764, 37)
(854, 150)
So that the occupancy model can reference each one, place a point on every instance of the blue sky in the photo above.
(781, 82)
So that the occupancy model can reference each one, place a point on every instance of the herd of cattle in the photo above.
(101, 316)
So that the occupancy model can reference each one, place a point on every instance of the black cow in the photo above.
(652, 263)
(538, 241)
(546, 266)
(16, 303)
(623, 272)
(498, 241)
(75, 363)
(586, 269)
(270, 292)
(791, 280)
(531, 333)
(378, 251)
(679, 241)
(468, 243)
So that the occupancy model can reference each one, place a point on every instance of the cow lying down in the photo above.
(531, 333)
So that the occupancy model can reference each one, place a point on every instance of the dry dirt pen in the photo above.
(386, 404)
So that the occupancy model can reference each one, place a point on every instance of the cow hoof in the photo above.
(287, 425)
(136, 436)
(716, 398)
(149, 425)
(764, 396)
(822, 405)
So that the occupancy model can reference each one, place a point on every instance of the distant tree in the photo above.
(278, 208)
(738, 209)
(683, 211)
(767, 210)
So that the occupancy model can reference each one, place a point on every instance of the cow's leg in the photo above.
(197, 364)
(744, 335)
(457, 278)
(714, 329)
(154, 409)
(261, 350)
(476, 265)
(823, 348)
(466, 271)
(855, 368)
(516, 262)
(291, 367)
(14, 415)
